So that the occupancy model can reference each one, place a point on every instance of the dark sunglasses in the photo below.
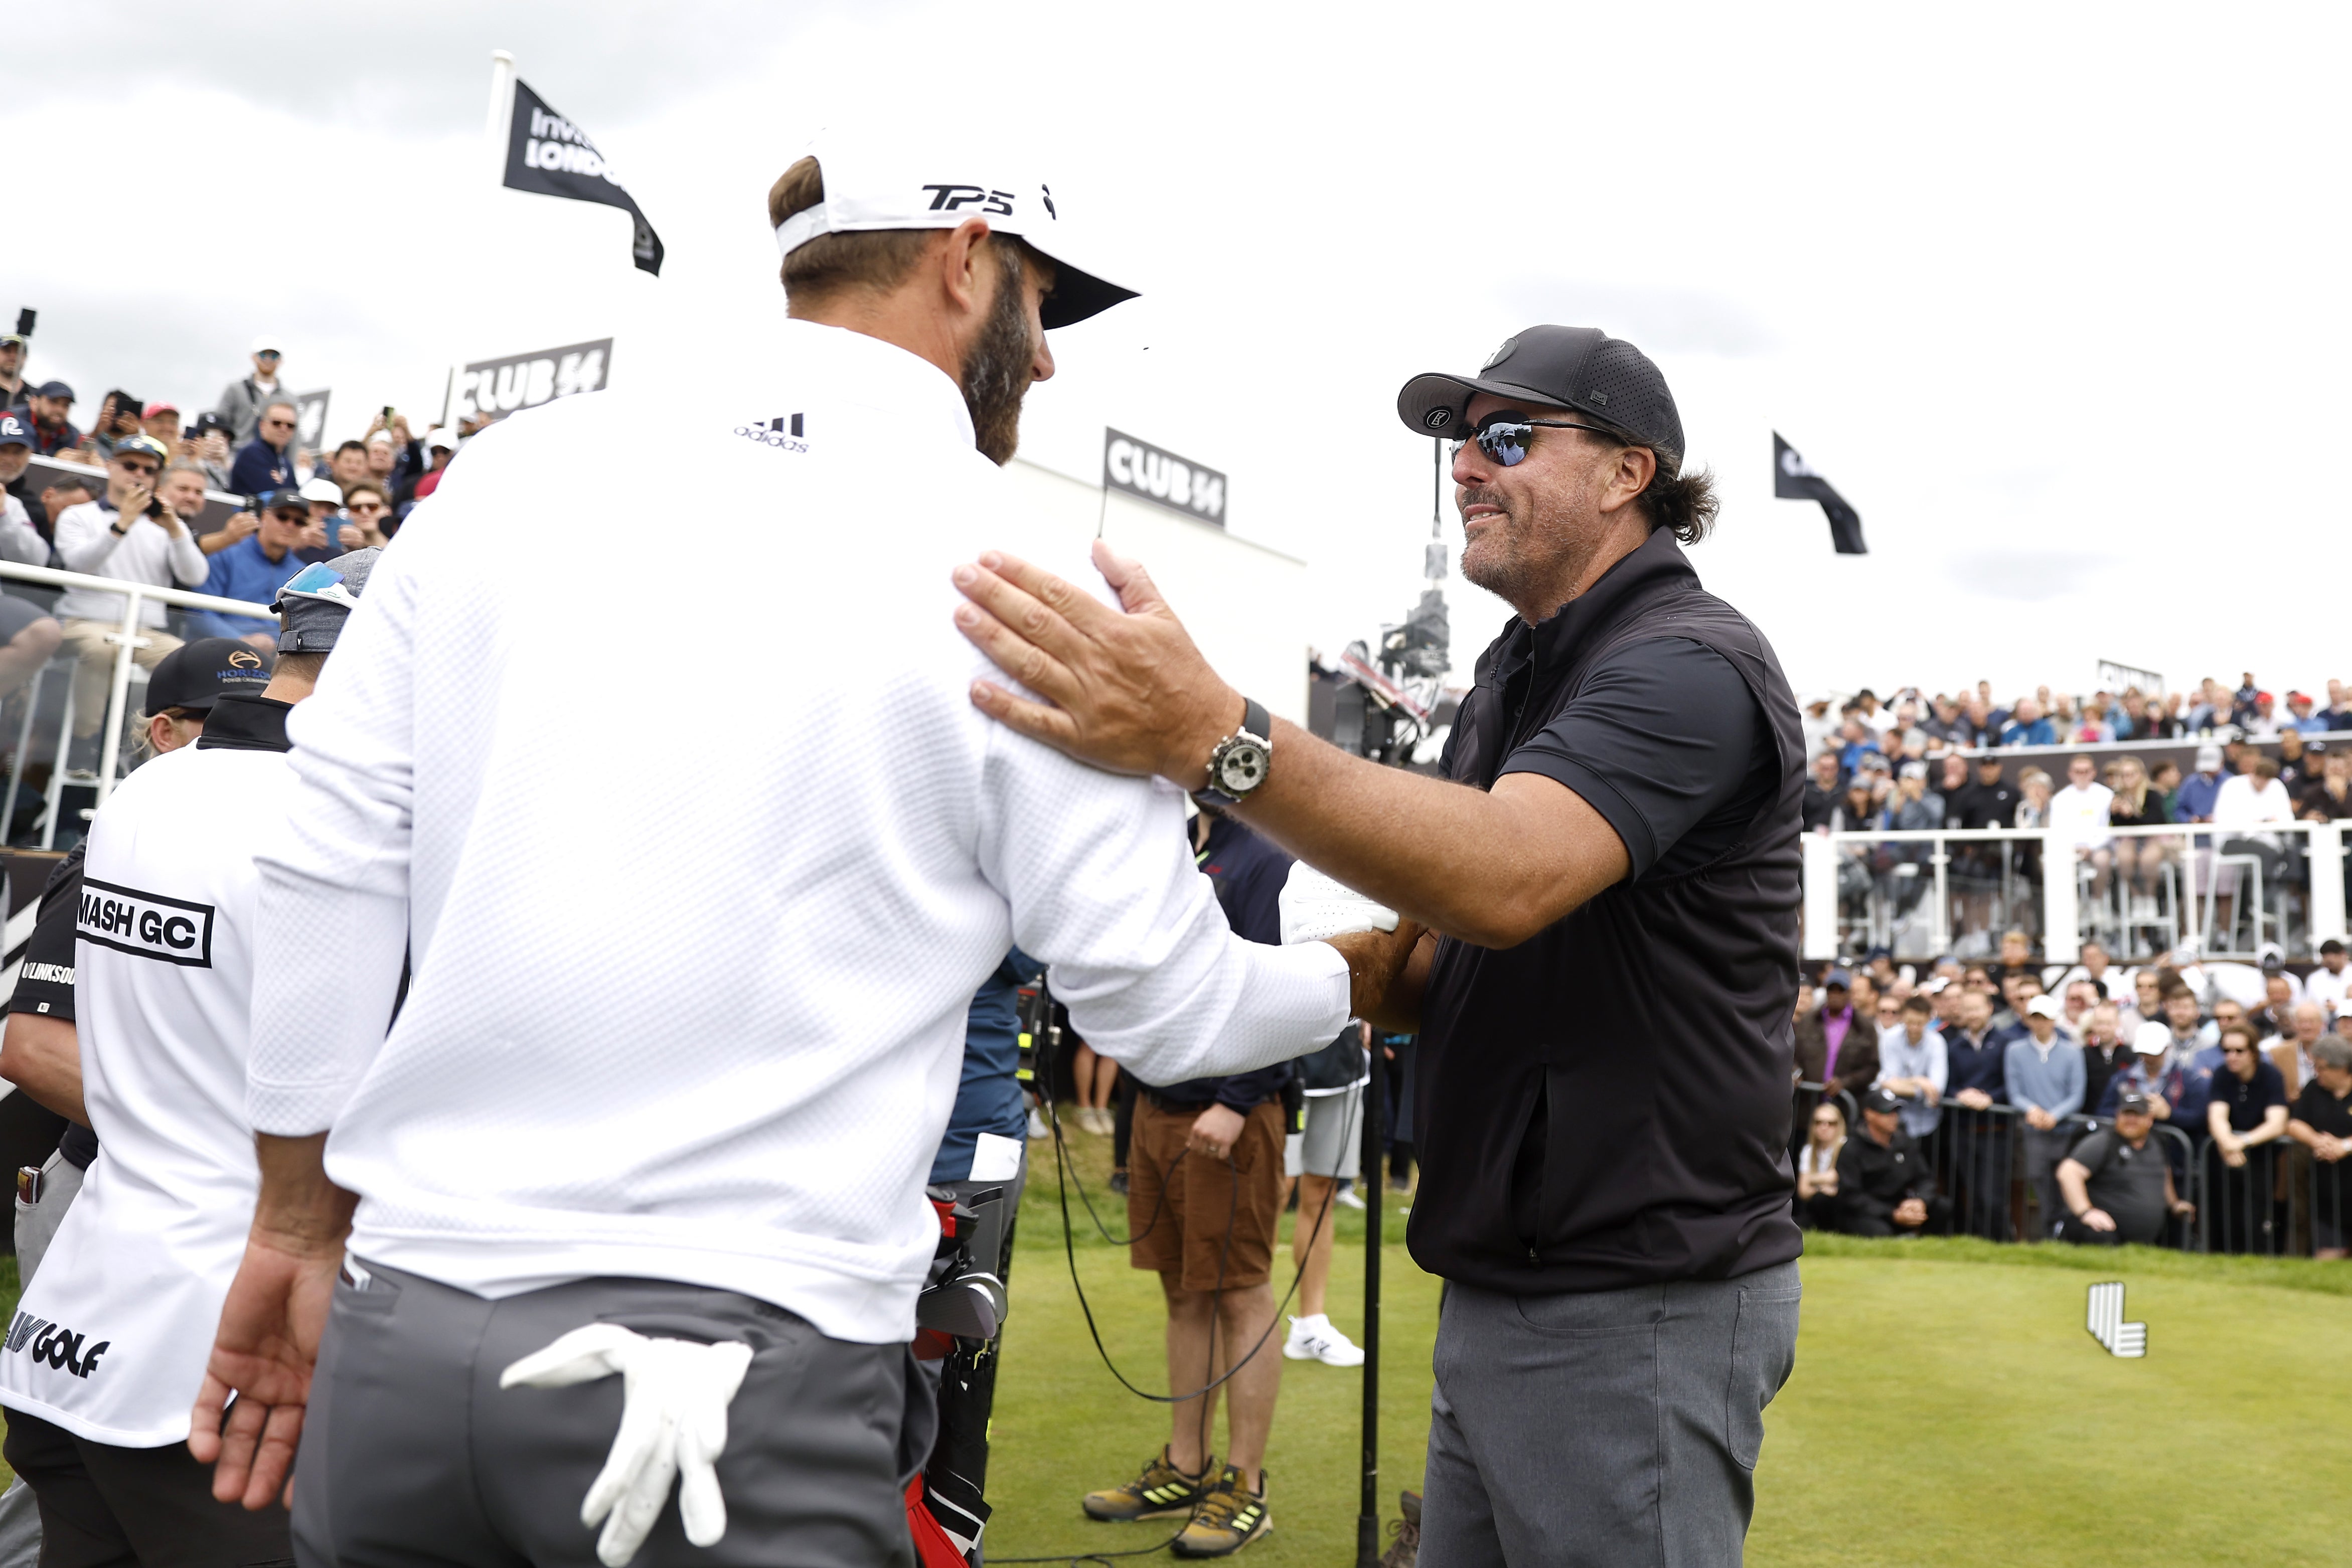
(1505, 439)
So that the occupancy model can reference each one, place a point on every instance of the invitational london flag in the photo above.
(1794, 479)
(549, 154)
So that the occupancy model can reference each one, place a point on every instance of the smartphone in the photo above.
(387, 414)
(25, 322)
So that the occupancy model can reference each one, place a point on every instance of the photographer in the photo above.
(257, 565)
(1607, 1200)
(131, 534)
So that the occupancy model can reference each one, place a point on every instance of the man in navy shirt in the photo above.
(267, 462)
(1974, 1082)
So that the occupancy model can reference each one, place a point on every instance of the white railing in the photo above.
(136, 595)
(2196, 877)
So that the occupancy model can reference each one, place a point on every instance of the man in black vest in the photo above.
(1598, 944)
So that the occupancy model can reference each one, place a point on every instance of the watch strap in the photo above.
(1256, 721)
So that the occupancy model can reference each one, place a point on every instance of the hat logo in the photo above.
(1500, 355)
(245, 659)
(1048, 190)
(1438, 418)
(1600, 398)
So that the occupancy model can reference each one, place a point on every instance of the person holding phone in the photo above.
(132, 535)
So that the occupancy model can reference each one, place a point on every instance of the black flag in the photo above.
(549, 154)
(1794, 479)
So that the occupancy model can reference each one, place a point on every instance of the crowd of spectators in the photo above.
(1969, 1073)
(132, 502)
(1936, 764)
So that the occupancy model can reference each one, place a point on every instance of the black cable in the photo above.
(1069, 1252)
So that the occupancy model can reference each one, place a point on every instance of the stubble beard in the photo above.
(1523, 556)
(996, 373)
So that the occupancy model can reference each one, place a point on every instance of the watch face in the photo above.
(1241, 769)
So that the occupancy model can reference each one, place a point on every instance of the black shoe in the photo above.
(1117, 1183)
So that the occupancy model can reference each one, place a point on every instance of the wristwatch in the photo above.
(1242, 759)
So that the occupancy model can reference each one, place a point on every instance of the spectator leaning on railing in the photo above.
(1912, 1067)
(1817, 1177)
(129, 534)
(2117, 1186)
(2043, 1070)
(2322, 1122)
(255, 567)
(1835, 1043)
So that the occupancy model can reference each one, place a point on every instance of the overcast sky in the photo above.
(2053, 295)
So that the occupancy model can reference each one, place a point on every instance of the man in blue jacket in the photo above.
(267, 462)
(1975, 1083)
(2042, 1072)
(255, 567)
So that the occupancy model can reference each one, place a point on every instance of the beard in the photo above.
(996, 373)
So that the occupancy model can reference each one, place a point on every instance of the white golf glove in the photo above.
(1313, 907)
(674, 1401)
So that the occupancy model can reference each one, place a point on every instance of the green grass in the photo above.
(1948, 1406)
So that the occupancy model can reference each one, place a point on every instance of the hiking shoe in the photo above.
(1230, 1517)
(1159, 1490)
(1314, 1339)
(1404, 1546)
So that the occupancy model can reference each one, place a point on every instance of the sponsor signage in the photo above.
(2119, 678)
(146, 924)
(1149, 473)
(311, 418)
(499, 386)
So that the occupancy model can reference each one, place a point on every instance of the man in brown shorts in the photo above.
(1203, 1204)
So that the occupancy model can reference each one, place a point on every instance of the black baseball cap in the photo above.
(1882, 1101)
(198, 674)
(289, 499)
(1582, 368)
(2134, 1105)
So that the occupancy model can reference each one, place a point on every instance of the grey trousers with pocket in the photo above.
(413, 1455)
(1609, 1429)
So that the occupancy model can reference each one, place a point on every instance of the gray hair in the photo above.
(2334, 1052)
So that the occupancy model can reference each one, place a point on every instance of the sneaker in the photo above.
(1404, 1547)
(1097, 1121)
(1348, 1198)
(1314, 1339)
(1159, 1490)
(1037, 1128)
(1229, 1518)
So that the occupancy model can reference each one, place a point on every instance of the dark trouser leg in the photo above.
(415, 1455)
(1613, 1429)
(2043, 1153)
(1122, 1122)
(104, 1505)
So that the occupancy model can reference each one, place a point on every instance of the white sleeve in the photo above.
(333, 929)
(1103, 889)
(19, 540)
(86, 538)
(190, 566)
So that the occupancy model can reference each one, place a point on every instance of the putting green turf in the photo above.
(1948, 1406)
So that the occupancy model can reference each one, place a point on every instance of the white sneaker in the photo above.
(1314, 1339)
(1347, 1199)
(1037, 1128)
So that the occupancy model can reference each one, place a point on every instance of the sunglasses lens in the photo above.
(1506, 444)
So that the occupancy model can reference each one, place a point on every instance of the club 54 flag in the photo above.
(549, 154)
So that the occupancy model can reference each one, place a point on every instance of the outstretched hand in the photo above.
(1127, 692)
(264, 1353)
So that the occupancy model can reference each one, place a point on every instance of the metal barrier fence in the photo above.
(1922, 893)
(43, 585)
(1998, 1175)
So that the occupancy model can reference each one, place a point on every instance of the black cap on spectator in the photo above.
(207, 423)
(198, 674)
(1839, 978)
(1882, 1101)
(1582, 368)
(54, 389)
(15, 431)
(2136, 1104)
(283, 500)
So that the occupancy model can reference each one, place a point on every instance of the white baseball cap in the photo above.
(320, 488)
(439, 440)
(2045, 1006)
(883, 178)
(2153, 1039)
(268, 343)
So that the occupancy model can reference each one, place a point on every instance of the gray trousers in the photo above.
(2044, 1150)
(1613, 1429)
(412, 1453)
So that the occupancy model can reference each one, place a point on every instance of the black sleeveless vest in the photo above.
(1606, 1104)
